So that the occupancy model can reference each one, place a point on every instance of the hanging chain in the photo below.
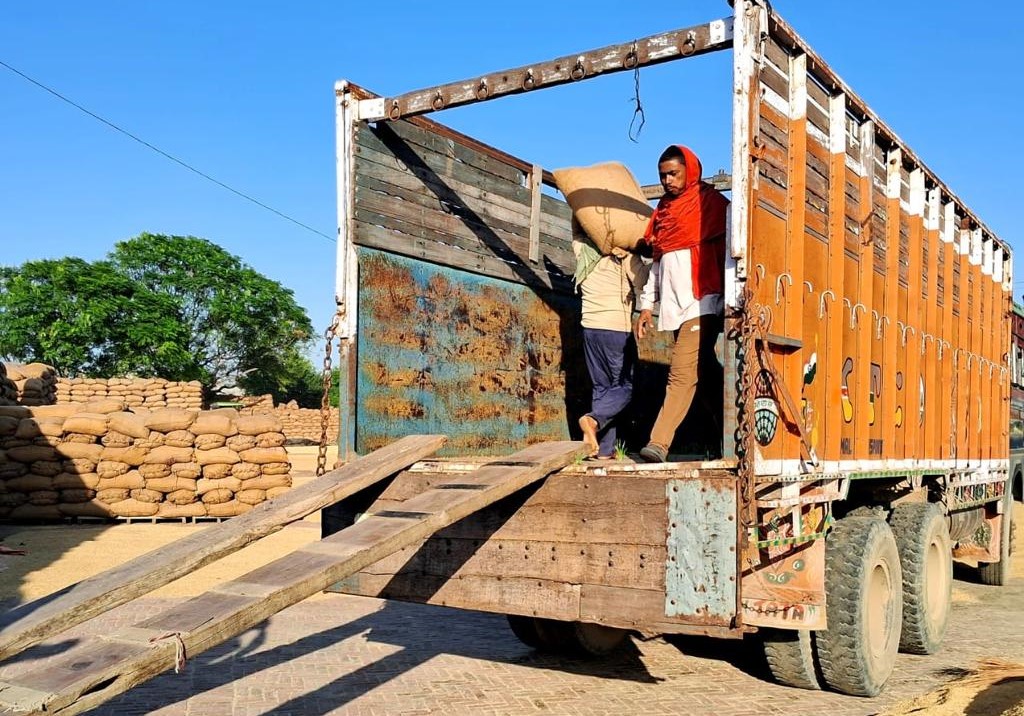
(745, 353)
(325, 401)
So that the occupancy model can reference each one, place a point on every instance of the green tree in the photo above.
(240, 323)
(294, 379)
(89, 319)
(177, 307)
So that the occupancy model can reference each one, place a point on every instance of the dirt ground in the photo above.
(60, 555)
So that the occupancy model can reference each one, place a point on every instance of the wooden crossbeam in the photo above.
(628, 56)
(26, 625)
(104, 665)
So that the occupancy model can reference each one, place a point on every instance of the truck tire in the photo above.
(579, 639)
(525, 629)
(864, 601)
(997, 574)
(926, 557)
(790, 656)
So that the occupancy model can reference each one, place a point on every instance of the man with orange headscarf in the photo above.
(687, 236)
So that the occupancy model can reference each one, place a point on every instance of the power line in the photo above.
(161, 152)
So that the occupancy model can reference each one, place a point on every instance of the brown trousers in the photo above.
(693, 364)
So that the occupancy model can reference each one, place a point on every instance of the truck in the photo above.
(864, 444)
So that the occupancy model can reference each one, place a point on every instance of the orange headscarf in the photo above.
(695, 220)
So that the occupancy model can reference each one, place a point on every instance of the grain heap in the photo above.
(134, 392)
(98, 460)
(35, 383)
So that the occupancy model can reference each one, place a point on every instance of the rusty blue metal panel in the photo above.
(701, 567)
(492, 364)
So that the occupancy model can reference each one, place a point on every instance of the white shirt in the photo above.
(671, 281)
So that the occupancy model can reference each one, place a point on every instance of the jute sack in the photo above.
(112, 495)
(67, 481)
(34, 513)
(46, 467)
(217, 471)
(182, 497)
(25, 429)
(87, 451)
(92, 508)
(152, 472)
(64, 410)
(275, 491)
(144, 495)
(79, 466)
(167, 455)
(129, 424)
(166, 420)
(204, 485)
(258, 424)
(32, 453)
(266, 482)
(128, 481)
(77, 495)
(133, 456)
(232, 508)
(29, 483)
(276, 468)
(116, 439)
(44, 497)
(104, 406)
(45, 440)
(209, 441)
(16, 411)
(134, 508)
(251, 497)
(262, 456)
(216, 422)
(108, 469)
(180, 438)
(238, 443)
(188, 509)
(607, 202)
(12, 469)
(189, 470)
(215, 497)
(219, 456)
(12, 499)
(171, 484)
(78, 437)
(34, 427)
(270, 440)
(94, 424)
(246, 470)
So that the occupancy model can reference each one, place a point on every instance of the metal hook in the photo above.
(759, 269)
(395, 111)
(579, 71)
(925, 337)
(821, 302)
(631, 59)
(906, 328)
(528, 81)
(689, 44)
(778, 286)
(481, 89)
(943, 343)
(853, 311)
(810, 286)
(438, 102)
(878, 323)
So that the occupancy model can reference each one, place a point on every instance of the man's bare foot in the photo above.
(589, 427)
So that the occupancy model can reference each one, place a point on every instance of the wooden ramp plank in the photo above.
(29, 624)
(87, 675)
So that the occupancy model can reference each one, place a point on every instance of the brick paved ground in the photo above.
(348, 655)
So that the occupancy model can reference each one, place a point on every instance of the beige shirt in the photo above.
(671, 284)
(609, 292)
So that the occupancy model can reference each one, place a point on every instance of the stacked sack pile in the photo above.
(134, 392)
(34, 383)
(98, 460)
(300, 425)
(8, 391)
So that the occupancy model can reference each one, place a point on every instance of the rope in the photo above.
(179, 648)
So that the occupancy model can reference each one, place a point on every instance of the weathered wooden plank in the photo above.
(215, 617)
(28, 624)
(468, 197)
(392, 240)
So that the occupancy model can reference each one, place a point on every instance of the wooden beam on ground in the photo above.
(29, 624)
(104, 665)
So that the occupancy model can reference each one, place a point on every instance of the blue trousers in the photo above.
(610, 357)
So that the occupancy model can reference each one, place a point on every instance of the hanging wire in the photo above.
(162, 153)
(638, 111)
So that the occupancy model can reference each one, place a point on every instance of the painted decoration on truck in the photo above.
(766, 408)
(844, 391)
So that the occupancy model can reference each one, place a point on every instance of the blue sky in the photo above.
(244, 92)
